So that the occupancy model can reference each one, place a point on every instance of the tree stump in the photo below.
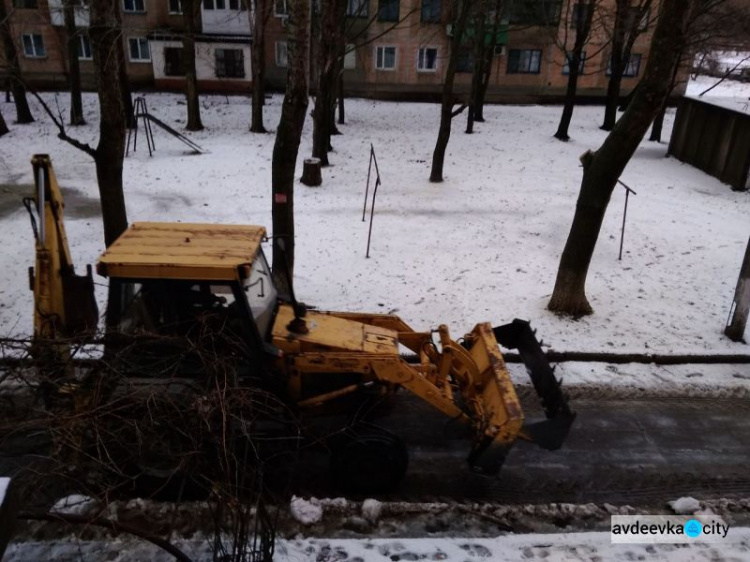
(311, 172)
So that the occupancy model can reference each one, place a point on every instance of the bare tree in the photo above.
(106, 46)
(628, 23)
(581, 19)
(339, 33)
(74, 68)
(190, 10)
(23, 112)
(484, 26)
(602, 168)
(259, 18)
(288, 135)
(329, 40)
(461, 9)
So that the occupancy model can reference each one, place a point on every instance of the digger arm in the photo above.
(64, 303)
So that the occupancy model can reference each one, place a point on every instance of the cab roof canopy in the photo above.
(161, 250)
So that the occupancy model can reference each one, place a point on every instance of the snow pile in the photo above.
(685, 506)
(371, 510)
(306, 512)
(74, 504)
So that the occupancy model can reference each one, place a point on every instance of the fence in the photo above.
(713, 138)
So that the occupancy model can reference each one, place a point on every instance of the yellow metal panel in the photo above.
(181, 251)
(328, 332)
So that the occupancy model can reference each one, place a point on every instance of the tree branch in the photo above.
(61, 128)
(460, 110)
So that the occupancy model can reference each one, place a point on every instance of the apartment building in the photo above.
(399, 48)
(152, 32)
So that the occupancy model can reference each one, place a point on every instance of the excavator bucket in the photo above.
(551, 432)
(495, 406)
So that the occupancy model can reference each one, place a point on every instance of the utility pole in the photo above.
(741, 306)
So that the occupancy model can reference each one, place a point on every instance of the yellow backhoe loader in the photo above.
(168, 278)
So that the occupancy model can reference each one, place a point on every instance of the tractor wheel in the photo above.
(368, 459)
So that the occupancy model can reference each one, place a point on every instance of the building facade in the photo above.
(396, 49)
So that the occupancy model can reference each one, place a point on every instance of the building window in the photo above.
(33, 45)
(350, 57)
(282, 54)
(175, 6)
(358, 8)
(388, 10)
(214, 5)
(427, 59)
(134, 5)
(534, 12)
(524, 61)
(139, 51)
(579, 15)
(25, 4)
(385, 58)
(631, 69)
(280, 8)
(431, 11)
(83, 45)
(174, 62)
(230, 63)
(568, 60)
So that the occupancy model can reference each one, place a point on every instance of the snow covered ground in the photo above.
(484, 245)
(568, 547)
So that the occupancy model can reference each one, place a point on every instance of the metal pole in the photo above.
(372, 214)
(367, 187)
(628, 191)
(624, 216)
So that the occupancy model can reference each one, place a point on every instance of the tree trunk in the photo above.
(340, 96)
(484, 84)
(656, 128)
(3, 126)
(106, 46)
(189, 9)
(583, 29)
(603, 168)
(258, 57)
(74, 67)
(613, 97)
(328, 41)
(570, 100)
(446, 109)
(626, 31)
(23, 112)
(288, 134)
(478, 70)
(124, 82)
(489, 52)
(658, 125)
